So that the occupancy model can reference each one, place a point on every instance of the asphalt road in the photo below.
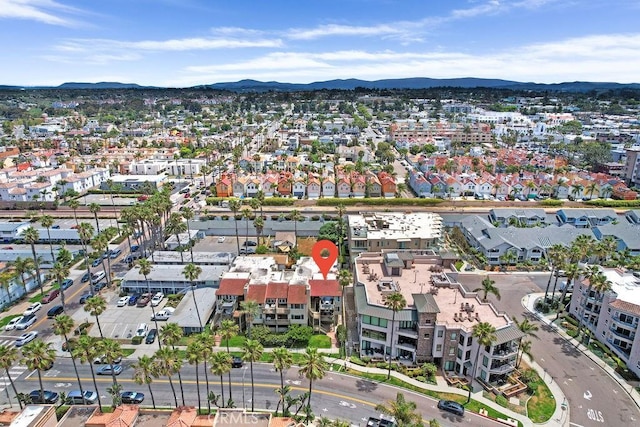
(336, 396)
(594, 398)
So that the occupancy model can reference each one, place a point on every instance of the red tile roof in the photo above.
(232, 287)
(277, 290)
(256, 293)
(297, 294)
(325, 288)
(626, 306)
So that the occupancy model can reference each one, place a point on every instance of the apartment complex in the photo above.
(376, 231)
(300, 296)
(613, 316)
(437, 323)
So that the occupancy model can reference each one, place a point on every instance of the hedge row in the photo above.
(602, 203)
(378, 202)
(551, 203)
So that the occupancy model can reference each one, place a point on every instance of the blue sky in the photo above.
(183, 43)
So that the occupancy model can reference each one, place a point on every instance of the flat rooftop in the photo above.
(425, 276)
(396, 225)
(626, 285)
(219, 258)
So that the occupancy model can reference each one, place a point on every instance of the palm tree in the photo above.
(313, 367)
(86, 350)
(396, 303)
(227, 330)
(258, 224)
(74, 205)
(344, 279)
(194, 357)
(176, 227)
(187, 214)
(234, 206)
(115, 391)
(404, 412)
(246, 214)
(47, 221)
(192, 272)
(8, 357)
(341, 212)
(250, 309)
(282, 360)
(94, 208)
(111, 351)
(95, 306)
(6, 279)
(485, 333)
(59, 271)
(251, 352)
(143, 373)
(167, 361)
(144, 268)
(295, 217)
(171, 334)
(113, 187)
(488, 288)
(557, 255)
(85, 232)
(62, 325)
(207, 341)
(524, 348)
(220, 364)
(38, 356)
(31, 236)
(24, 267)
(599, 284)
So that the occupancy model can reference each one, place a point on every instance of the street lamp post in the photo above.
(244, 405)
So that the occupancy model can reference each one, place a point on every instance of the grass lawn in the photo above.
(542, 404)
(320, 341)
(36, 298)
(237, 341)
(126, 352)
(5, 320)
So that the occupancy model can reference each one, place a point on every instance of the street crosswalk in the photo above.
(7, 343)
(15, 372)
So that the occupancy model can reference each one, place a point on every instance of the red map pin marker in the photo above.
(324, 253)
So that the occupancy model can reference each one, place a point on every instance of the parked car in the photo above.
(89, 397)
(157, 298)
(248, 250)
(96, 262)
(26, 338)
(134, 248)
(451, 406)
(142, 330)
(99, 286)
(163, 314)
(123, 301)
(85, 277)
(115, 253)
(132, 397)
(151, 336)
(133, 299)
(143, 300)
(26, 321)
(250, 243)
(221, 239)
(46, 397)
(102, 361)
(54, 311)
(236, 362)
(109, 369)
(12, 323)
(32, 309)
(50, 296)
(84, 297)
(66, 284)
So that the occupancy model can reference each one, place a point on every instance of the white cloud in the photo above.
(45, 11)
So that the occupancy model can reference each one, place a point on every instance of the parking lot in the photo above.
(119, 322)
(211, 244)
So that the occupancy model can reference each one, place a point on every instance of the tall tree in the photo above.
(111, 351)
(192, 272)
(47, 221)
(234, 206)
(176, 227)
(313, 367)
(250, 309)
(38, 356)
(394, 302)
(194, 357)
(403, 411)
(188, 215)
(227, 330)
(31, 236)
(252, 352)
(485, 334)
(171, 334)
(145, 267)
(74, 205)
(86, 350)
(282, 360)
(488, 287)
(95, 306)
(344, 279)
(143, 373)
(62, 326)
(220, 364)
(207, 341)
(59, 271)
(94, 208)
(8, 358)
(167, 362)
(24, 268)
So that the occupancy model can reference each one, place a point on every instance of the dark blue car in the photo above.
(133, 299)
(66, 284)
(85, 277)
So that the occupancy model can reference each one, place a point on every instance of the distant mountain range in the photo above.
(350, 84)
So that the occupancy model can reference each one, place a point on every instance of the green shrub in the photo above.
(602, 203)
(551, 203)
(571, 320)
(421, 378)
(502, 401)
(315, 218)
(136, 340)
(357, 361)
(278, 201)
(262, 249)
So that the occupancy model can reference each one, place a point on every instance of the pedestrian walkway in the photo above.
(14, 372)
(529, 301)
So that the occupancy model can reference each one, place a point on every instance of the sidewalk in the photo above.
(529, 303)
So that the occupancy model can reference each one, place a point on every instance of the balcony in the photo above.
(624, 353)
(327, 306)
(411, 333)
(274, 321)
(622, 333)
(505, 368)
(273, 309)
(504, 352)
(633, 325)
(406, 345)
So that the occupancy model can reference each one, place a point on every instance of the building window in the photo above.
(427, 321)
(297, 317)
(375, 321)
(453, 336)
(427, 336)
(449, 365)
(440, 334)
(459, 354)
(485, 361)
(439, 347)
(452, 351)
